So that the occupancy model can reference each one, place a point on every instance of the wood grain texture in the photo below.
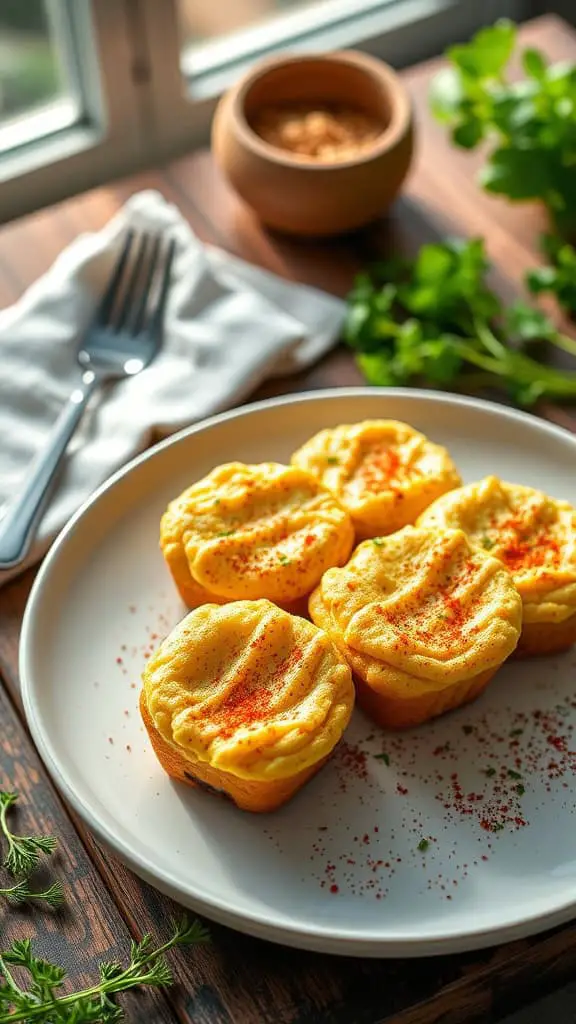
(238, 978)
(89, 928)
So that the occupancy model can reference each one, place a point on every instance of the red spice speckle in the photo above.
(352, 764)
(382, 469)
(527, 546)
(334, 888)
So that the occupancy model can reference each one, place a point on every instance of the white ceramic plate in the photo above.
(491, 789)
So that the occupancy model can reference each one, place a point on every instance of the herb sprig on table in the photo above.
(22, 858)
(435, 320)
(31, 988)
(531, 123)
(38, 997)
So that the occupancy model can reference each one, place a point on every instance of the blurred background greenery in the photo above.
(29, 73)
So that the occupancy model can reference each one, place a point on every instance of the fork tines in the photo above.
(136, 294)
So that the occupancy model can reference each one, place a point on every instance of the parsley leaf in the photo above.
(437, 321)
(529, 124)
(558, 278)
(488, 53)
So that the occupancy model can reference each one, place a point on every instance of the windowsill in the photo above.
(210, 71)
(35, 126)
(48, 150)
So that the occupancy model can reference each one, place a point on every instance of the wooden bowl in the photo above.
(303, 195)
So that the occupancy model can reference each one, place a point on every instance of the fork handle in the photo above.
(18, 526)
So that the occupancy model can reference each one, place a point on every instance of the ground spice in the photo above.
(351, 764)
(381, 468)
(511, 751)
(244, 706)
(524, 546)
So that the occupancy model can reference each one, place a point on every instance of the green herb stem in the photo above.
(564, 342)
(489, 340)
(21, 892)
(23, 853)
(147, 967)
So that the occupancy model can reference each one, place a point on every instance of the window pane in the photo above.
(31, 72)
(202, 20)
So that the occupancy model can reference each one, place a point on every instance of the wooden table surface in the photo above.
(236, 978)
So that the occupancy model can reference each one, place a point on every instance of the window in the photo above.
(200, 46)
(92, 89)
(200, 22)
(68, 108)
(35, 87)
(31, 71)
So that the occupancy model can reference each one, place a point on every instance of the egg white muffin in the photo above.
(246, 532)
(534, 536)
(247, 700)
(424, 620)
(383, 472)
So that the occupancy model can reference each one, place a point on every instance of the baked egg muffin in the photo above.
(383, 472)
(424, 620)
(246, 700)
(534, 536)
(249, 532)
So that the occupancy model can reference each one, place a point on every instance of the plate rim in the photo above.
(317, 937)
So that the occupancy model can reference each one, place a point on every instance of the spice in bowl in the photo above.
(319, 131)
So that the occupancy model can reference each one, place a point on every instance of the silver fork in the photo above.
(123, 338)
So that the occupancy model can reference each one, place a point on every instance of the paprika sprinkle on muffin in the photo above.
(246, 699)
(383, 472)
(246, 532)
(534, 536)
(429, 622)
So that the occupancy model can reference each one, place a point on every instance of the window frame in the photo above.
(137, 108)
(401, 32)
(106, 138)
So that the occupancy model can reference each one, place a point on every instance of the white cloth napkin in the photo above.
(228, 326)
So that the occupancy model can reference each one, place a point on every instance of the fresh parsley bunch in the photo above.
(558, 276)
(531, 123)
(435, 320)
